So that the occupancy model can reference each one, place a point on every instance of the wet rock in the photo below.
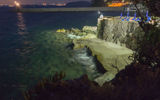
(75, 31)
(113, 57)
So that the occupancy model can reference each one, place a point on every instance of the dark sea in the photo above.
(29, 50)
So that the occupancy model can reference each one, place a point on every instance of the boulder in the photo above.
(75, 30)
(90, 29)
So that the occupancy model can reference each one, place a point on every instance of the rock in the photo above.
(124, 33)
(90, 29)
(89, 36)
(113, 57)
(75, 30)
(80, 43)
(106, 77)
(83, 33)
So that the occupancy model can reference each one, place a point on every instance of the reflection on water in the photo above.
(39, 52)
(21, 24)
(22, 30)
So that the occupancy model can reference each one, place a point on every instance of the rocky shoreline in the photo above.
(124, 78)
(110, 58)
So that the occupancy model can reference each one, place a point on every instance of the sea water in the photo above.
(30, 49)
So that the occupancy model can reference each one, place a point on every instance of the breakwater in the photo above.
(69, 9)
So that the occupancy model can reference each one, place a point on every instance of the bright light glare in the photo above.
(17, 4)
(101, 16)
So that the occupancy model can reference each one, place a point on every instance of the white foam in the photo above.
(71, 36)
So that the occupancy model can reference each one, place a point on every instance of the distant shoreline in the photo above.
(69, 9)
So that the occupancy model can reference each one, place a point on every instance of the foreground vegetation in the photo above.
(136, 82)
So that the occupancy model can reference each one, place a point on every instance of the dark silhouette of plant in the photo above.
(152, 5)
(136, 82)
(148, 50)
(42, 86)
(57, 89)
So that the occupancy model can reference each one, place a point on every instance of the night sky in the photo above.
(38, 1)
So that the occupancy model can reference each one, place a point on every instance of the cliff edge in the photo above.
(123, 33)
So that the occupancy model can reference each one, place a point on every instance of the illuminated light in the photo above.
(44, 4)
(17, 4)
(22, 30)
(117, 4)
(148, 18)
(128, 19)
(101, 16)
(61, 4)
(138, 20)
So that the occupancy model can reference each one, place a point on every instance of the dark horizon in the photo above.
(36, 2)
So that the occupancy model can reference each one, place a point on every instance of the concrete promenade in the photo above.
(69, 9)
